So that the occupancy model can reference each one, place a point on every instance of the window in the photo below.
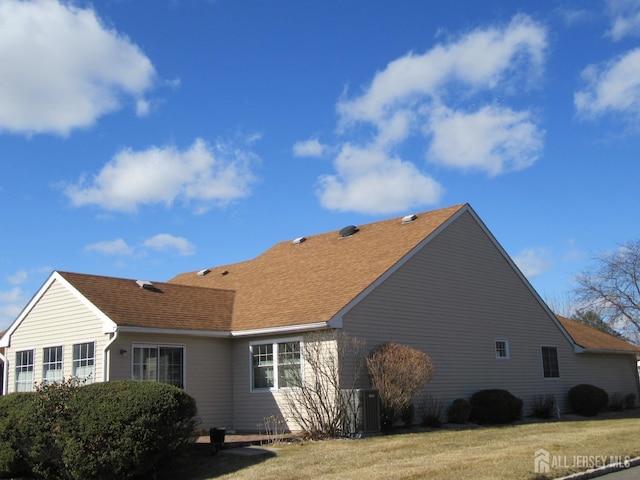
(159, 364)
(52, 364)
(24, 371)
(550, 362)
(502, 349)
(84, 361)
(275, 365)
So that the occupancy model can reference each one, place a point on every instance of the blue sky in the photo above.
(142, 139)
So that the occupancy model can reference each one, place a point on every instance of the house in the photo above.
(230, 335)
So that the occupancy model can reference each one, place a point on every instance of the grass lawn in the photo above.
(505, 452)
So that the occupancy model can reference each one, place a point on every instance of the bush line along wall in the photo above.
(120, 429)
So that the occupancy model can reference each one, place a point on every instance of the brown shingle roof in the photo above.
(593, 339)
(168, 306)
(311, 282)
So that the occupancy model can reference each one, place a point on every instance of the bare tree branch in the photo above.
(611, 288)
(318, 403)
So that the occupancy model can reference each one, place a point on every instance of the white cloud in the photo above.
(143, 107)
(13, 300)
(574, 16)
(625, 18)
(612, 87)
(479, 60)
(409, 99)
(533, 261)
(492, 139)
(111, 247)
(205, 174)
(369, 181)
(18, 278)
(309, 148)
(11, 296)
(67, 67)
(165, 241)
(11, 304)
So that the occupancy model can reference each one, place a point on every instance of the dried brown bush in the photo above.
(399, 373)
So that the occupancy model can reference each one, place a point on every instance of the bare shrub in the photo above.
(333, 363)
(616, 402)
(629, 401)
(543, 406)
(431, 412)
(399, 373)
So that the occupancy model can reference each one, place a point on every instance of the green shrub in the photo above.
(459, 411)
(616, 402)
(127, 429)
(495, 406)
(100, 431)
(543, 406)
(587, 400)
(32, 430)
(431, 412)
(16, 414)
(629, 401)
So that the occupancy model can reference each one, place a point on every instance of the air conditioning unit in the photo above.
(363, 412)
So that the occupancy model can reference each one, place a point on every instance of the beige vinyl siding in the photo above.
(207, 371)
(59, 318)
(251, 407)
(452, 299)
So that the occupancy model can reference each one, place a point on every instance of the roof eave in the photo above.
(304, 327)
(607, 351)
(175, 331)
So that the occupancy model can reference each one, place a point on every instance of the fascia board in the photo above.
(108, 325)
(609, 351)
(281, 330)
(175, 331)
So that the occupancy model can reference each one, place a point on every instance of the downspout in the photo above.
(5, 373)
(105, 363)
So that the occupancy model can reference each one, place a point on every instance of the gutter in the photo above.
(5, 374)
(175, 331)
(278, 330)
(604, 350)
(105, 350)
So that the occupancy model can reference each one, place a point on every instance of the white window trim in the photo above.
(542, 362)
(506, 345)
(62, 355)
(95, 360)
(163, 345)
(34, 351)
(274, 342)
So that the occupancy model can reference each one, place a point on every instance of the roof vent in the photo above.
(409, 218)
(202, 273)
(348, 231)
(299, 240)
(145, 284)
(225, 272)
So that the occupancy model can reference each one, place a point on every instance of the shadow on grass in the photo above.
(199, 462)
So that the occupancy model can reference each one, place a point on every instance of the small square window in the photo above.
(502, 349)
